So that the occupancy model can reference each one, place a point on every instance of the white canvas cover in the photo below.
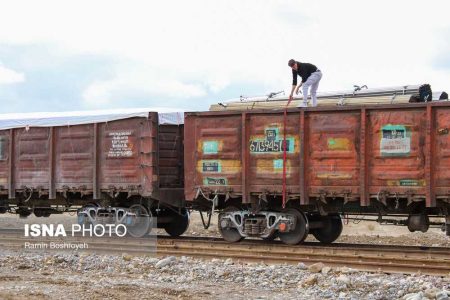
(47, 119)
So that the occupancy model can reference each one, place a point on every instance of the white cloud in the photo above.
(9, 76)
(219, 43)
(145, 83)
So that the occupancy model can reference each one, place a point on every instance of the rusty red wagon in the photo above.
(379, 160)
(113, 165)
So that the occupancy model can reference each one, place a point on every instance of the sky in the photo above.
(83, 55)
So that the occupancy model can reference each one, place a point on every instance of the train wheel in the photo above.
(42, 213)
(38, 213)
(331, 230)
(271, 237)
(179, 225)
(23, 212)
(231, 235)
(299, 233)
(143, 223)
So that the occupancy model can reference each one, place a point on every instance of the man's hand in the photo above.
(298, 89)
(292, 92)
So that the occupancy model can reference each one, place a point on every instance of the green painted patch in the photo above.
(214, 181)
(210, 147)
(394, 127)
(411, 182)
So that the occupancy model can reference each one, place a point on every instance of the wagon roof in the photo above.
(358, 96)
(46, 119)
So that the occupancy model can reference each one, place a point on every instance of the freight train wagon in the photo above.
(116, 167)
(377, 160)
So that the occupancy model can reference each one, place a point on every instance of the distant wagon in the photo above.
(271, 174)
(113, 165)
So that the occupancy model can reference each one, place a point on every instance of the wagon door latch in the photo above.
(410, 196)
(83, 191)
(27, 193)
(382, 197)
(40, 190)
(132, 190)
(114, 192)
(65, 190)
(322, 200)
(347, 196)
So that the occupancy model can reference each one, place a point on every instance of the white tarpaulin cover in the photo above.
(45, 119)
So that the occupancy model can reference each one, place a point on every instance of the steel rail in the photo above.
(387, 259)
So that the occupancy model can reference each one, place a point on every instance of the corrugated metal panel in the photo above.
(120, 153)
(86, 160)
(442, 153)
(333, 160)
(347, 152)
(31, 159)
(266, 153)
(171, 156)
(4, 159)
(213, 153)
(397, 152)
(74, 156)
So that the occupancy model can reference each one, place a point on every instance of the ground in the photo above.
(82, 275)
(74, 275)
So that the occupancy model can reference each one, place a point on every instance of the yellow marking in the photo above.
(267, 166)
(297, 144)
(334, 176)
(227, 166)
(3, 180)
(339, 144)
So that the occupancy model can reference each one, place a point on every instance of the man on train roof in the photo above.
(311, 77)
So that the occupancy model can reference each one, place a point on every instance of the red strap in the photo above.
(284, 152)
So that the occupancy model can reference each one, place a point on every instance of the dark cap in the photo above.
(291, 63)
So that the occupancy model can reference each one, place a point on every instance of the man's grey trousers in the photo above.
(313, 82)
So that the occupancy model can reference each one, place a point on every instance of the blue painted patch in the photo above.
(210, 147)
(278, 164)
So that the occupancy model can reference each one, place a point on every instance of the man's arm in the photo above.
(298, 88)
(292, 92)
(294, 83)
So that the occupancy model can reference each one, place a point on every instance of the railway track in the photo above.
(382, 258)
